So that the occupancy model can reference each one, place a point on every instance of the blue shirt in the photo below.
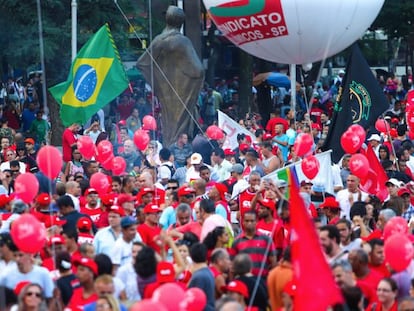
(92, 307)
(283, 149)
(104, 241)
(168, 217)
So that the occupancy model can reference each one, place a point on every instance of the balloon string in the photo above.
(161, 71)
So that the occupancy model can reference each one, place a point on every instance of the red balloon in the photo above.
(107, 163)
(170, 295)
(310, 166)
(118, 165)
(371, 185)
(395, 225)
(141, 139)
(148, 305)
(105, 149)
(411, 134)
(382, 125)
(359, 131)
(86, 147)
(359, 165)
(303, 144)
(214, 132)
(195, 300)
(28, 233)
(26, 187)
(351, 142)
(149, 123)
(50, 161)
(398, 251)
(100, 182)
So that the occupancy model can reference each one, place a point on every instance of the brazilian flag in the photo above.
(96, 77)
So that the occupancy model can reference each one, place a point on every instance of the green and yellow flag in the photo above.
(96, 77)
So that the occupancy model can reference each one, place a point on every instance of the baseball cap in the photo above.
(267, 136)
(229, 152)
(196, 158)
(125, 197)
(54, 221)
(239, 287)
(394, 182)
(84, 223)
(19, 287)
(127, 221)
(165, 272)
(244, 147)
(330, 202)
(184, 190)
(268, 203)
(237, 168)
(145, 191)
(88, 263)
(280, 183)
(290, 288)
(108, 198)
(43, 199)
(29, 141)
(117, 209)
(122, 122)
(90, 190)
(303, 183)
(403, 190)
(151, 208)
(374, 137)
(56, 239)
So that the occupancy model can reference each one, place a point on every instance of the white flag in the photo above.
(232, 128)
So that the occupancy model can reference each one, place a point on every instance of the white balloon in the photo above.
(293, 32)
(307, 67)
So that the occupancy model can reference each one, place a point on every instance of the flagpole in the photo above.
(293, 88)
(74, 6)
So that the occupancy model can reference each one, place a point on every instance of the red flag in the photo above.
(316, 289)
(374, 183)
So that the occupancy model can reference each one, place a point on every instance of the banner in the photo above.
(324, 176)
(96, 77)
(232, 128)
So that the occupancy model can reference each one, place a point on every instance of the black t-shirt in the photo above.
(261, 297)
(66, 285)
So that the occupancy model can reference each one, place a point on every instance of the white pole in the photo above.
(293, 88)
(74, 29)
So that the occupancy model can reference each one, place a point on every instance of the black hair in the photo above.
(219, 152)
(104, 264)
(198, 253)
(65, 200)
(333, 232)
(71, 234)
(191, 238)
(208, 206)
(146, 263)
(211, 238)
(358, 209)
(165, 154)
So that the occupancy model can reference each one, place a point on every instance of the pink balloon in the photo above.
(26, 187)
(107, 163)
(141, 139)
(395, 225)
(310, 166)
(359, 165)
(86, 147)
(100, 182)
(359, 131)
(170, 295)
(28, 233)
(195, 300)
(104, 149)
(149, 123)
(303, 144)
(118, 165)
(382, 125)
(214, 132)
(148, 305)
(49, 160)
(398, 251)
(351, 142)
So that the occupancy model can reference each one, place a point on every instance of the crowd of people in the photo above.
(198, 215)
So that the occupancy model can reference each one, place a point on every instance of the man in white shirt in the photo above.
(73, 190)
(350, 195)
(221, 167)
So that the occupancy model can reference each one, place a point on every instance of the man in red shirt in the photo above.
(91, 208)
(331, 209)
(247, 195)
(150, 229)
(87, 270)
(377, 258)
(69, 139)
(270, 226)
(84, 226)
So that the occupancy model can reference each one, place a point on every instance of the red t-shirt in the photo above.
(150, 235)
(278, 234)
(370, 283)
(68, 139)
(382, 269)
(93, 213)
(78, 301)
(85, 238)
(245, 199)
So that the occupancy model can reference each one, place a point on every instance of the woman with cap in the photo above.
(31, 298)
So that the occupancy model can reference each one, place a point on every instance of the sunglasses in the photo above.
(189, 196)
(37, 294)
(172, 188)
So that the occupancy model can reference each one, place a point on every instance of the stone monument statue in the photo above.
(174, 59)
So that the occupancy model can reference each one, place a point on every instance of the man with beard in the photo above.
(131, 156)
(91, 208)
(345, 232)
(330, 238)
(377, 258)
(270, 226)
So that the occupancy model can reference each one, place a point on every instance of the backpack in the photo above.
(171, 168)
